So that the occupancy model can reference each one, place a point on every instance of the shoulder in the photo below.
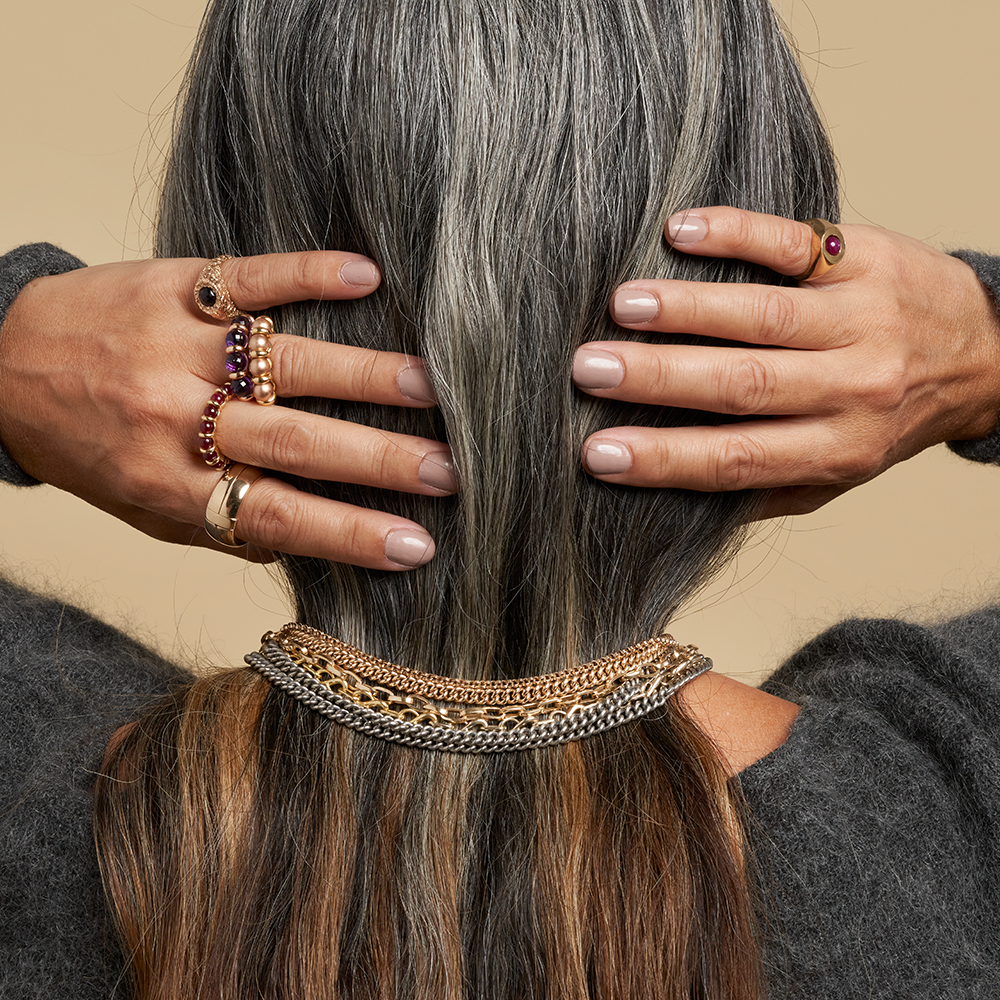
(878, 818)
(67, 681)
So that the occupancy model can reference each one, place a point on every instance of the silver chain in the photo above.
(630, 701)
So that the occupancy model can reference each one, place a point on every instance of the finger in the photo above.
(750, 455)
(781, 244)
(276, 516)
(735, 380)
(303, 367)
(256, 283)
(306, 444)
(335, 371)
(758, 314)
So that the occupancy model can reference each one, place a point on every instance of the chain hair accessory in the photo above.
(462, 716)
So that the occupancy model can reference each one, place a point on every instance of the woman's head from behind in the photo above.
(507, 164)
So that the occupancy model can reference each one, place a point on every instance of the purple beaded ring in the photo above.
(248, 359)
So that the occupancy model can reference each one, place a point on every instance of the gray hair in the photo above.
(507, 164)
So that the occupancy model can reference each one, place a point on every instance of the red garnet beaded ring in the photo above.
(206, 429)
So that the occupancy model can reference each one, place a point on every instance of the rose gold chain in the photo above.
(360, 676)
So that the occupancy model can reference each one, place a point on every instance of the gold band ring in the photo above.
(224, 504)
(827, 248)
(211, 295)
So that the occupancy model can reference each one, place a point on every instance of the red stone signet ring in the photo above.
(827, 249)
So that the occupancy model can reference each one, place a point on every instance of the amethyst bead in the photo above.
(236, 363)
(236, 339)
(242, 387)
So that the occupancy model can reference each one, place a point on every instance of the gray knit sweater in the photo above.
(874, 824)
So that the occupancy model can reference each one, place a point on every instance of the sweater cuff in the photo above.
(987, 269)
(17, 268)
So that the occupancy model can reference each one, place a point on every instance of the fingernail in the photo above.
(607, 458)
(633, 305)
(684, 228)
(594, 369)
(438, 472)
(362, 273)
(409, 547)
(414, 384)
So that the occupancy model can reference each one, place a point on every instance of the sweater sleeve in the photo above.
(17, 268)
(987, 269)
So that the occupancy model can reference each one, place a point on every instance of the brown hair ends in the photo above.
(252, 848)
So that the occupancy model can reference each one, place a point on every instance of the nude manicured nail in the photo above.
(593, 369)
(361, 273)
(414, 384)
(633, 305)
(607, 458)
(438, 472)
(683, 228)
(409, 547)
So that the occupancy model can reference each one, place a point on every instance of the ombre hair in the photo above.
(507, 163)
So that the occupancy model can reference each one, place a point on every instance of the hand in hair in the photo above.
(894, 349)
(104, 373)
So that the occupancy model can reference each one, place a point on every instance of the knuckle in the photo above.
(362, 376)
(743, 235)
(273, 520)
(858, 466)
(778, 317)
(749, 386)
(793, 248)
(289, 446)
(245, 280)
(887, 388)
(282, 365)
(310, 270)
(738, 464)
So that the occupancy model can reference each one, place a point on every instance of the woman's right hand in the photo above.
(105, 371)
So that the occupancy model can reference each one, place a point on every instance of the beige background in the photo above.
(908, 92)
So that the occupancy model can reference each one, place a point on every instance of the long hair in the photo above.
(507, 163)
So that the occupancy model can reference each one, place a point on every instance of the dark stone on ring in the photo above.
(236, 363)
(242, 387)
(236, 339)
(207, 296)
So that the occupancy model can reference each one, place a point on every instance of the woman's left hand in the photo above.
(894, 349)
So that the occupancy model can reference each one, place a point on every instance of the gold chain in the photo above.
(407, 694)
